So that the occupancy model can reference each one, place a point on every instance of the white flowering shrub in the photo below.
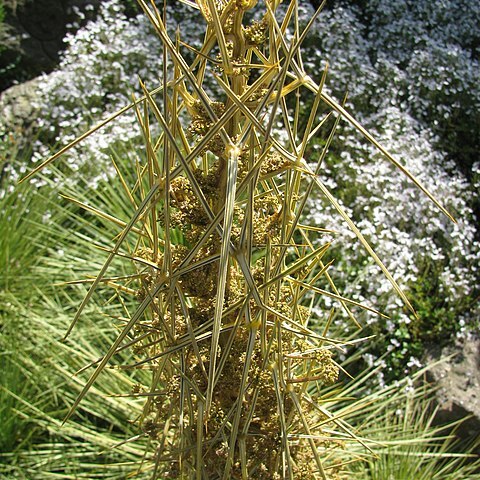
(431, 49)
(435, 260)
(419, 55)
(411, 70)
(97, 76)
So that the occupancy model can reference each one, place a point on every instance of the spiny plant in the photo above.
(219, 263)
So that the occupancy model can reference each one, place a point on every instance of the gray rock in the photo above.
(16, 103)
(458, 381)
(18, 113)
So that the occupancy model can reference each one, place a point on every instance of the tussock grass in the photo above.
(399, 422)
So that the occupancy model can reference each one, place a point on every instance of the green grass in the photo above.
(36, 444)
(36, 383)
(411, 446)
(14, 432)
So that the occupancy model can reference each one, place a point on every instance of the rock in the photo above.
(18, 113)
(458, 379)
(32, 33)
(16, 103)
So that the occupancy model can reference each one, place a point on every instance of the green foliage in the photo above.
(131, 8)
(436, 322)
(20, 238)
(34, 443)
(13, 381)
